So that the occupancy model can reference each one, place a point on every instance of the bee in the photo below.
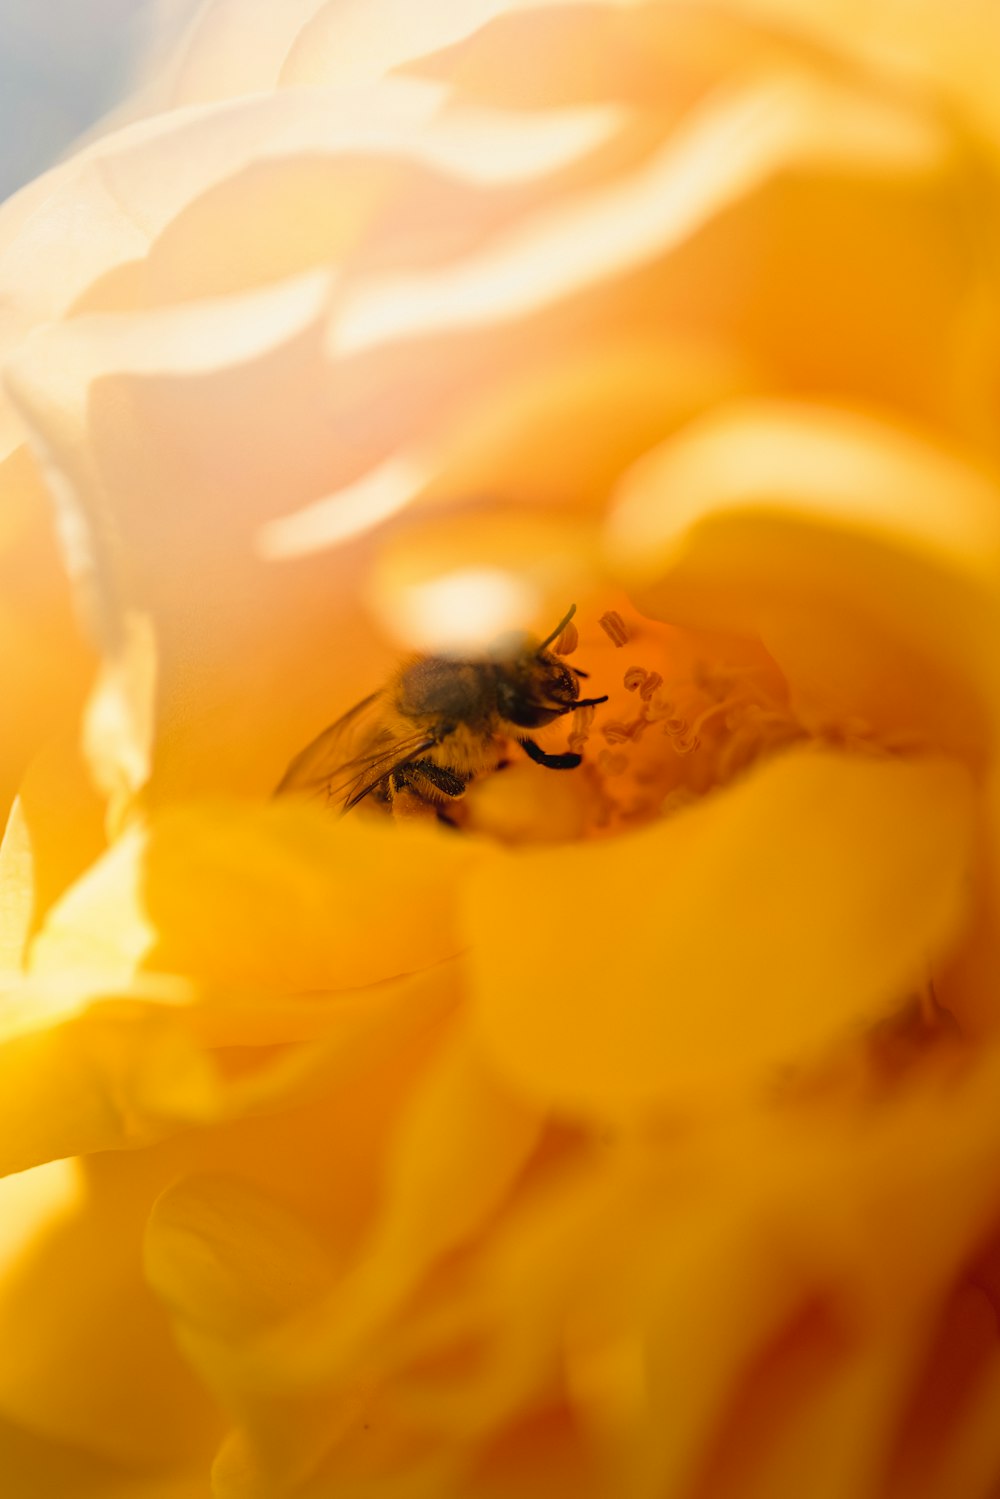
(438, 723)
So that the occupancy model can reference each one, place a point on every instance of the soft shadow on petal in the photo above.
(821, 1211)
(36, 1468)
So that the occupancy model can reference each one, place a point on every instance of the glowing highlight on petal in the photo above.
(461, 610)
(379, 494)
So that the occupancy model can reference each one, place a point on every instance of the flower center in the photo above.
(687, 711)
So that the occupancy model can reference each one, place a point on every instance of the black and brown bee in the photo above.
(438, 723)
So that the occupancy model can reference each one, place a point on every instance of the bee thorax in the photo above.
(453, 691)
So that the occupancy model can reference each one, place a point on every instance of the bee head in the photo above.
(534, 688)
(533, 685)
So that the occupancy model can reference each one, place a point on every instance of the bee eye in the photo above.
(564, 686)
(518, 705)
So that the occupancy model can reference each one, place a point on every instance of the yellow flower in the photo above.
(640, 1140)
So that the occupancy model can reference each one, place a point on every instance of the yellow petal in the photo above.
(228, 1260)
(743, 934)
(235, 1268)
(459, 1148)
(16, 890)
(278, 895)
(925, 45)
(58, 825)
(104, 1082)
(87, 1359)
(84, 1071)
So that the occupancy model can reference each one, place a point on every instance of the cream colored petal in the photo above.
(724, 151)
(352, 40)
(521, 438)
(745, 934)
(305, 176)
(246, 46)
(124, 191)
(125, 544)
(231, 47)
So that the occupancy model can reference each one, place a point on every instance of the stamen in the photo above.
(614, 627)
(568, 640)
(582, 721)
(683, 739)
(616, 731)
(637, 679)
(676, 800)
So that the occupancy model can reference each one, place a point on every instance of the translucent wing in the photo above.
(351, 757)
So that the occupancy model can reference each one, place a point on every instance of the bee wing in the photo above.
(349, 758)
(334, 745)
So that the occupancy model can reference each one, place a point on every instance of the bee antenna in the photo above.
(558, 629)
(588, 702)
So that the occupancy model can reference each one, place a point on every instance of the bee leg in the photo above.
(406, 795)
(449, 782)
(567, 761)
